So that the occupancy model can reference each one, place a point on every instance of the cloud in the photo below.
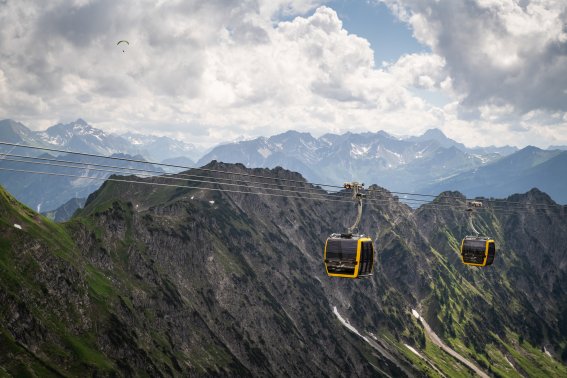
(230, 65)
(425, 71)
(496, 52)
(217, 70)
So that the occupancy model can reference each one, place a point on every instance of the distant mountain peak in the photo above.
(13, 125)
(9, 122)
(78, 127)
(383, 134)
(531, 148)
(534, 195)
(14, 132)
(291, 134)
(294, 132)
(434, 133)
(438, 136)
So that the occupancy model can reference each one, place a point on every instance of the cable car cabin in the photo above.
(477, 251)
(349, 256)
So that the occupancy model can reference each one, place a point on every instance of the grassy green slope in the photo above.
(64, 314)
(489, 315)
(29, 257)
(150, 280)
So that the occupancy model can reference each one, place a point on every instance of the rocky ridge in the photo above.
(174, 281)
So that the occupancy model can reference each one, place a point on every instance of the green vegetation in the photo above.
(144, 281)
(530, 359)
(83, 350)
(445, 362)
(101, 287)
(16, 360)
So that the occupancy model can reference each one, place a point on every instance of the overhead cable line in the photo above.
(86, 166)
(333, 197)
(445, 197)
(309, 196)
(172, 185)
(151, 172)
(404, 193)
(193, 168)
(164, 164)
(164, 174)
(168, 177)
(304, 183)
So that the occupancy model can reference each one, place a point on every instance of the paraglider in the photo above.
(123, 41)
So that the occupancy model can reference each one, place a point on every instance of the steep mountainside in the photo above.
(525, 292)
(521, 171)
(15, 132)
(161, 280)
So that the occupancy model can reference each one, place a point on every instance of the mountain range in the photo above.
(426, 164)
(82, 137)
(150, 280)
(395, 163)
(65, 186)
(530, 167)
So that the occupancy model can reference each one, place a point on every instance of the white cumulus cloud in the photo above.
(210, 71)
(497, 52)
(206, 71)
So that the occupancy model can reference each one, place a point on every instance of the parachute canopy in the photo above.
(123, 42)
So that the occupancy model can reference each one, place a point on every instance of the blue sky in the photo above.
(389, 37)
(482, 71)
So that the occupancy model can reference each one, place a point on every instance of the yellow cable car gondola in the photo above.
(350, 255)
(477, 250)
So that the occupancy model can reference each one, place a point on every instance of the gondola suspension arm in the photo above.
(476, 233)
(471, 206)
(357, 196)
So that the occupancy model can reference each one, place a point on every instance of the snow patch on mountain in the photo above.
(358, 151)
(483, 159)
(265, 152)
(346, 323)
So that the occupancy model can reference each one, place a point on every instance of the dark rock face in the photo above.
(524, 292)
(169, 281)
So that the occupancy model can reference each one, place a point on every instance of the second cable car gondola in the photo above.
(477, 250)
(350, 255)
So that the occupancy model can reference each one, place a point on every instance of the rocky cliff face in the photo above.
(171, 281)
(522, 297)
